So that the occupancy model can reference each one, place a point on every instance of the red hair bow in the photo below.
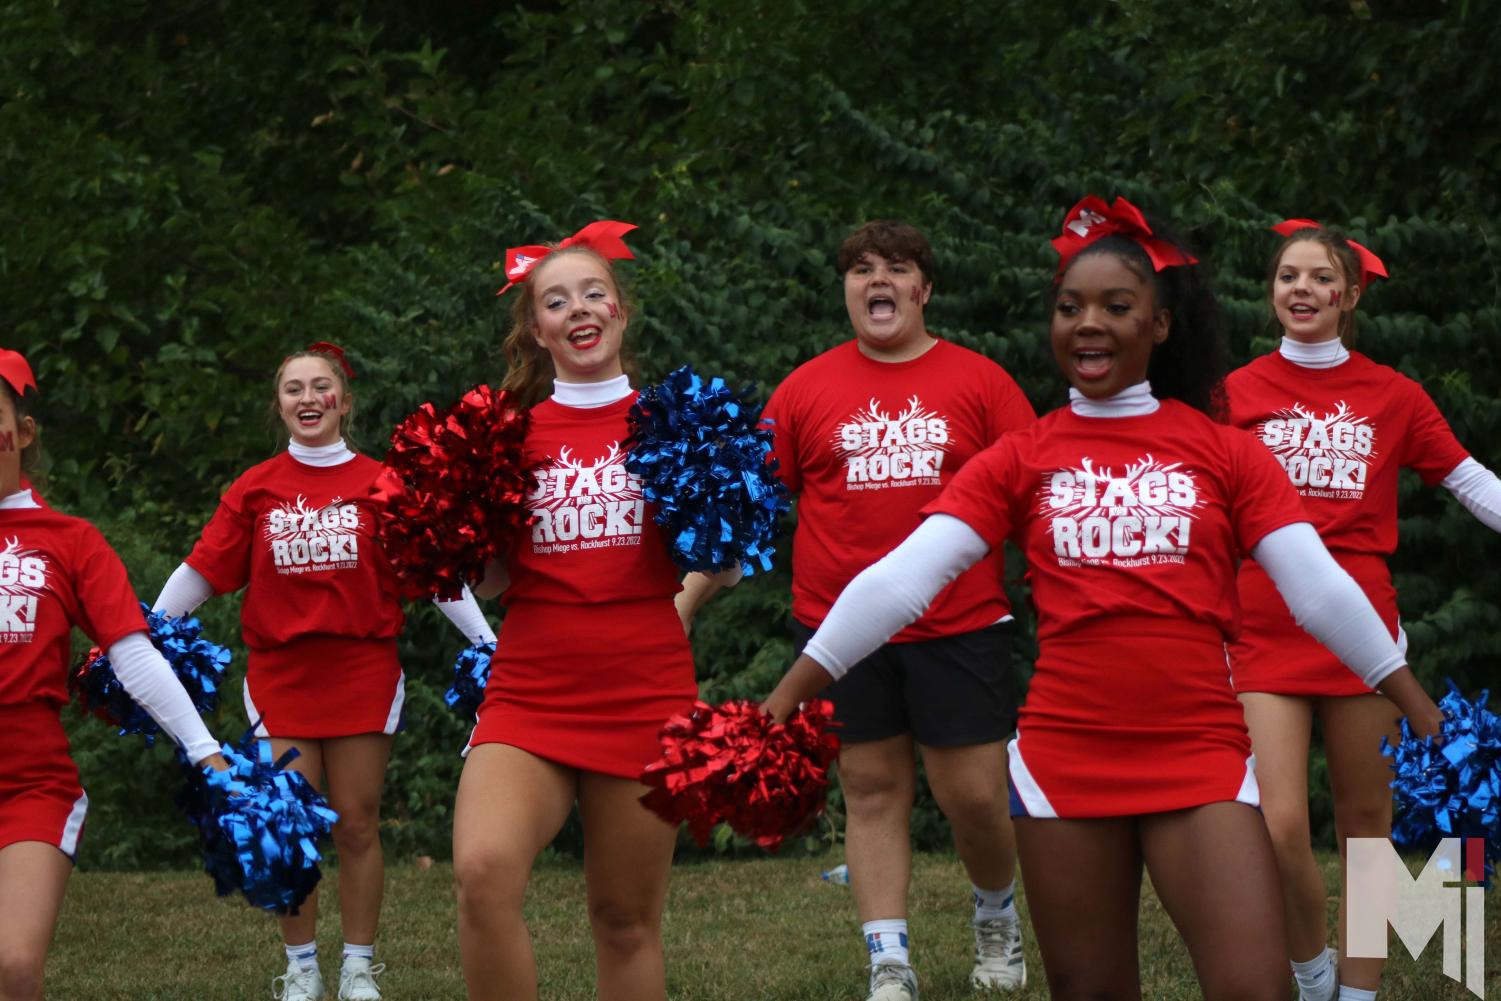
(602, 237)
(1092, 219)
(1371, 267)
(15, 371)
(324, 347)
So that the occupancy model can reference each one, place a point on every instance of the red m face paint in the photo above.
(614, 310)
(1334, 297)
(7, 441)
(915, 295)
(329, 401)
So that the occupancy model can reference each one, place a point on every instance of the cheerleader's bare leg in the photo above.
(510, 805)
(1280, 727)
(1359, 777)
(302, 927)
(1214, 871)
(355, 770)
(969, 785)
(879, 779)
(627, 860)
(33, 875)
(1083, 881)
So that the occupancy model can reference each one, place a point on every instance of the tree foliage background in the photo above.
(192, 188)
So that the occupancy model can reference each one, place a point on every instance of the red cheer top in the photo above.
(865, 444)
(303, 539)
(1140, 516)
(592, 540)
(1343, 434)
(56, 572)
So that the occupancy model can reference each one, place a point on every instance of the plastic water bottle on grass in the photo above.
(839, 875)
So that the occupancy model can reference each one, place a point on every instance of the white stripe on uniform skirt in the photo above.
(393, 718)
(254, 714)
(74, 827)
(1027, 789)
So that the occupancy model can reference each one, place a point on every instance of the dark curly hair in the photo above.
(888, 238)
(1192, 363)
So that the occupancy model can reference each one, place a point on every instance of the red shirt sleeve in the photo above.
(1262, 499)
(1429, 446)
(977, 494)
(1010, 409)
(222, 554)
(784, 439)
(108, 609)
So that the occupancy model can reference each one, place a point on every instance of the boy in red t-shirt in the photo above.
(866, 434)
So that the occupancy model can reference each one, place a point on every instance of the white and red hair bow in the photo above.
(1091, 220)
(602, 237)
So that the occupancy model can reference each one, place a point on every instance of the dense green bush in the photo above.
(194, 188)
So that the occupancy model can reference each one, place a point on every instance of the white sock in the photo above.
(886, 941)
(992, 904)
(1315, 976)
(352, 951)
(1355, 994)
(305, 956)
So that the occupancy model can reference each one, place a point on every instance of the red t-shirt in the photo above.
(1137, 517)
(303, 538)
(56, 572)
(593, 539)
(865, 444)
(1342, 434)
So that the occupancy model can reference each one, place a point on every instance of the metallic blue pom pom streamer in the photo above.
(471, 673)
(258, 825)
(701, 454)
(1450, 788)
(198, 664)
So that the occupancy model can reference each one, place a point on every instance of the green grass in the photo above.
(735, 931)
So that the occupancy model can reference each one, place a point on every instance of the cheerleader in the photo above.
(1132, 506)
(56, 572)
(1342, 427)
(592, 657)
(320, 618)
(866, 434)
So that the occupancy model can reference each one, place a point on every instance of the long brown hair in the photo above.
(529, 368)
(31, 455)
(1344, 258)
(335, 365)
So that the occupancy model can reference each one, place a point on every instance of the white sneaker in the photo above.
(298, 984)
(892, 982)
(999, 963)
(357, 979)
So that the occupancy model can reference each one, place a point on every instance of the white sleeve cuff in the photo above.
(148, 680)
(1478, 490)
(893, 592)
(184, 591)
(464, 612)
(1326, 601)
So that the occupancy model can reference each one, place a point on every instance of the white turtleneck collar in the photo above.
(19, 500)
(1324, 354)
(588, 395)
(1133, 401)
(320, 455)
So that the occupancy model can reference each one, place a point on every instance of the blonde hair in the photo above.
(337, 367)
(529, 368)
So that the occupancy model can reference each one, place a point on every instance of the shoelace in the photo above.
(999, 935)
(361, 979)
(302, 978)
(888, 973)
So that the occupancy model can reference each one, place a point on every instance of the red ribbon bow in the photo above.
(15, 371)
(602, 237)
(324, 347)
(1371, 267)
(1092, 219)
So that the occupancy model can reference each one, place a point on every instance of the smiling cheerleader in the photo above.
(1342, 427)
(1132, 506)
(57, 573)
(321, 615)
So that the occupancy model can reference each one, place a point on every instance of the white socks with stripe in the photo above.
(886, 941)
(352, 951)
(305, 957)
(1315, 976)
(993, 904)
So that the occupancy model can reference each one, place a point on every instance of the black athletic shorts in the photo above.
(946, 692)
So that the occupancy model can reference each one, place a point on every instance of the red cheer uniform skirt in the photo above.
(1130, 716)
(587, 686)
(325, 686)
(40, 796)
(1274, 654)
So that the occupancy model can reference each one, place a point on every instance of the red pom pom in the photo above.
(731, 764)
(453, 491)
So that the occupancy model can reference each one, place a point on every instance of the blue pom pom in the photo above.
(258, 825)
(701, 455)
(471, 673)
(198, 664)
(1450, 788)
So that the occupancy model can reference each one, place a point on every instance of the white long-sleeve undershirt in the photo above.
(150, 683)
(186, 589)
